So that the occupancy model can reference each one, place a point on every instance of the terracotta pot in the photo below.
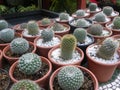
(43, 81)
(57, 65)
(18, 29)
(102, 71)
(55, 73)
(11, 60)
(1, 56)
(43, 51)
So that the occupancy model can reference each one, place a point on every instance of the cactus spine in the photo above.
(92, 6)
(64, 16)
(3, 24)
(107, 10)
(81, 23)
(58, 27)
(100, 17)
(80, 13)
(116, 23)
(45, 21)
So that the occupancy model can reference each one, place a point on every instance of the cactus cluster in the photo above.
(29, 63)
(19, 46)
(68, 45)
(81, 23)
(3, 24)
(23, 25)
(96, 29)
(107, 10)
(33, 28)
(70, 78)
(58, 27)
(108, 48)
(92, 6)
(64, 16)
(80, 12)
(80, 34)
(7, 35)
(47, 35)
(25, 85)
(45, 21)
(100, 17)
(116, 23)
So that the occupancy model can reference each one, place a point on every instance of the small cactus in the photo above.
(96, 29)
(108, 48)
(81, 23)
(58, 27)
(3, 24)
(47, 35)
(33, 28)
(100, 17)
(23, 25)
(19, 46)
(80, 13)
(70, 78)
(107, 10)
(116, 23)
(92, 6)
(45, 21)
(29, 63)
(25, 85)
(64, 16)
(7, 35)
(80, 34)
(68, 45)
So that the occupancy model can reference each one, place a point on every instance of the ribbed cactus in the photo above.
(3, 24)
(96, 29)
(107, 10)
(29, 63)
(68, 45)
(25, 85)
(47, 35)
(45, 21)
(19, 46)
(23, 25)
(7, 35)
(81, 23)
(100, 17)
(64, 16)
(92, 6)
(116, 23)
(33, 28)
(80, 12)
(58, 27)
(70, 78)
(80, 34)
(108, 48)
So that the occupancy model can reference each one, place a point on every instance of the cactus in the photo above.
(33, 28)
(96, 29)
(19, 46)
(58, 27)
(64, 16)
(7, 35)
(47, 35)
(80, 34)
(25, 85)
(80, 13)
(92, 6)
(23, 25)
(3, 24)
(116, 23)
(68, 45)
(107, 10)
(29, 63)
(100, 17)
(45, 21)
(81, 23)
(108, 48)
(70, 78)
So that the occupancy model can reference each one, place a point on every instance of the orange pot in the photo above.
(1, 55)
(18, 29)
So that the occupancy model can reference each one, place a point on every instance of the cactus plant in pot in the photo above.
(3, 24)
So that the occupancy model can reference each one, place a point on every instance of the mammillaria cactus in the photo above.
(108, 48)
(45, 21)
(7, 35)
(25, 85)
(81, 23)
(64, 16)
(108, 10)
(100, 17)
(80, 34)
(47, 35)
(3, 24)
(19, 46)
(23, 25)
(29, 63)
(68, 45)
(58, 27)
(70, 78)
(92, 6)
(33, 28)
(116, 23)
(95, 29)
(80, 13)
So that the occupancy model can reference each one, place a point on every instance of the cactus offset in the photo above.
(58, 27)
(116, 23)
(45, 21)
(64, 16)
(107, 10)
(92, 6)
(100, 17)
(81, 23)
(80, 13)
(3, 24)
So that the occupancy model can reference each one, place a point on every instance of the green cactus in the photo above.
(68, 45)
(80, 34)
(7, 35)
(58, 27)
(80, 12)
(107, 10)
(92, 6)
(3, 24)
(23, 25)
(64, 16)
(100, 17)
(108, 48)
(25, 85)
(47, 35)
(116, 23)
(45, 21)
(19, 46)
(29, 63)
(81, 23)
(33, 28)
(70, 78)
(96, 29)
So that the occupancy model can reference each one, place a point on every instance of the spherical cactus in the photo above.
(33, 28)
(23, 25)
(92, 6)
(116, 22)
(58, 27)
(107, 10)
(68, 45)
(29, 63)
(100, 17)
(108, 48)
(3, 24)
(7, 35)
(45, 21)
(19, 46)
(64, 16)
(47, 35)
(81, 23)
(25, 85)
(96, 29)
(70, 78)
(80, 34)
(80, 13)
